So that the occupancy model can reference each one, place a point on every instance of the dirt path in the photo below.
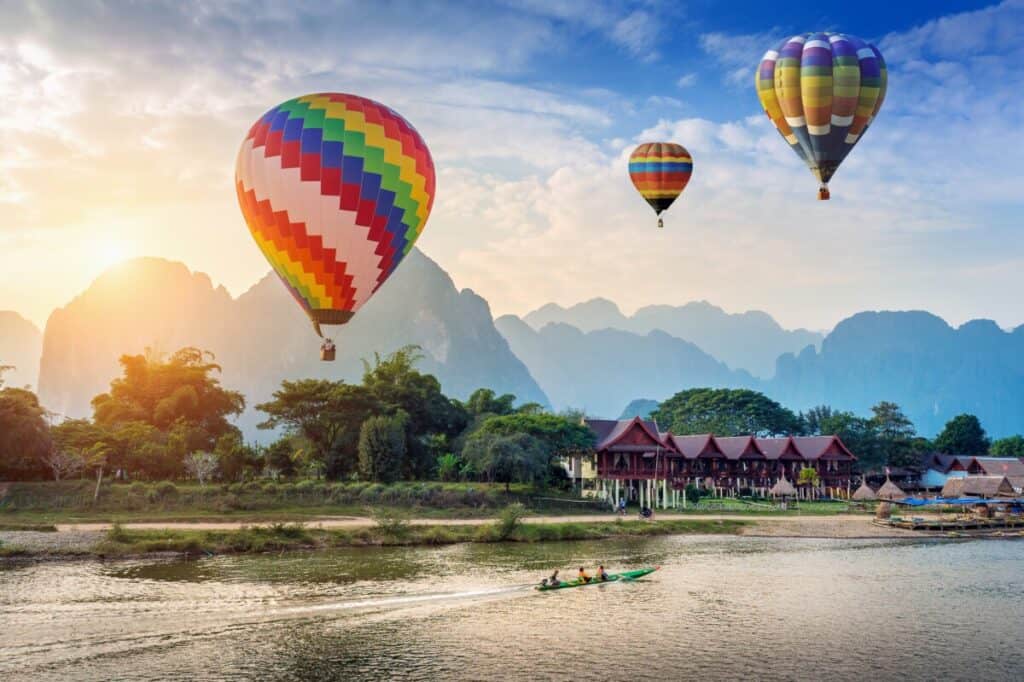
(836, 526)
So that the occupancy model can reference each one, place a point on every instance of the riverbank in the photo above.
(129, 539)
(201, 539)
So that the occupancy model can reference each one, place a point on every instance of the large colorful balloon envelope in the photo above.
(335, 189)
(660, 171)
(822, 91)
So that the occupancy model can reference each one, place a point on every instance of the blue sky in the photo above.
(121, 123)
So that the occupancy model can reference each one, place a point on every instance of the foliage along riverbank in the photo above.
(389, 530)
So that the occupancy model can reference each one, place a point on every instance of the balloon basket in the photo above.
(823, 194)
(327, 351)
(661, 223)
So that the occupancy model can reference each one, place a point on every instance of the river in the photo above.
(719, 608)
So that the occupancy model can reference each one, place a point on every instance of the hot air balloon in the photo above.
(660, 171)
(335, 189)
(822, 91)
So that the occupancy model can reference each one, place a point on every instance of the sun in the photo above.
(109, 252)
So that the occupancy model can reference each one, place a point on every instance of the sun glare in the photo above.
(109, 252)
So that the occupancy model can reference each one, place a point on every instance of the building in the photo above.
(940, 468)
(987, 487)
(635, 461)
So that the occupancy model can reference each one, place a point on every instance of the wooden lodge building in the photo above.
(635, 461)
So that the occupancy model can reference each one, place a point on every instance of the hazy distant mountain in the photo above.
(263, 337)
(752, 340)
(641, 407)
(918, 361)
(20, 345)
(597, 370)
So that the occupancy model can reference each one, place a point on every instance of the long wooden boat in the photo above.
(612, 577)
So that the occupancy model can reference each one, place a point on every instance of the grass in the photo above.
(121, 542)
(261, 501)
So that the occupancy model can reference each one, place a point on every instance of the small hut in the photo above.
(981, 486)
(890, 491)
(864, 493)
(782, 488)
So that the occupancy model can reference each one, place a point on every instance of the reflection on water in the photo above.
(720, 608)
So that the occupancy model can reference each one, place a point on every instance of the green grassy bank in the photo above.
(69, 501)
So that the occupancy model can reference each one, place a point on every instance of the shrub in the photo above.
(448, 467)
(371, 493)
(391, 523)
(138, 488)
(165, 490)
(510, 519)
(438, 535)
(117, 533)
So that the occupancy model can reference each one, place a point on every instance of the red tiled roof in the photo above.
(609, 432)
(696, 446)
(814, 447)
(740, 447)
(775, 448)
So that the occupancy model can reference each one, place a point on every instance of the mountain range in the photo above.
(20, 345)
(587, 356)
(262, 337)
(751, 341)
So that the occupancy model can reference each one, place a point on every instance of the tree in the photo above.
(1012, 446)
(725, 412)
(808, 476)
(63, 463)
(963, 435)
(24, 435)
(396, 384)
(237, 460)
(163, 394)
(857, 433)
(509, 458)
(897, 444)
(449, 467)
(483, 401)
(201, 466)
(891, 423)
(382, 447)
(278, 458)
(327, 414)
(814, 417)
(557, 436)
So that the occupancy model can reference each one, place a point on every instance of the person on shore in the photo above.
(622, 506)
(602, 575)
(584, 578)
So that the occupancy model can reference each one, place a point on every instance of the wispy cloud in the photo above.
(687, 80)
(739, 53)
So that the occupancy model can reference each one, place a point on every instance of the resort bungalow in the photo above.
(637, 462)
(940, 468)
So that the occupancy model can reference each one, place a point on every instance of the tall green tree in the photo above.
(398, 386)
(508, 458)
(24, 435)
(327, 414)
(963, 435)
(1011, 446)
(897, 438)
(182, 389)
(554, 435)
(857, 433)
(382, 447)
(725, 412)
(485, 401)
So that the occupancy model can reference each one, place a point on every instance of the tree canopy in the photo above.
(1011, 446)
(725, 412)
(182, 389)
(24, 434)
(963, 435)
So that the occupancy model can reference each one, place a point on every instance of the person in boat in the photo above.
(553, 581)
(583, 577)
(602, 575)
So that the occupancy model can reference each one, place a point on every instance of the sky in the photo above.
(121, 121)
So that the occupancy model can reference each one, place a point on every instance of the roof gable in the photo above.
(999, 466)
(692, 447)
(778, 448)
(740, 447)
(629, 434)
(818, 447)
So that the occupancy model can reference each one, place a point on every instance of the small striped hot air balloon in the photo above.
(335, 189)
(821, 92)
(660, 171)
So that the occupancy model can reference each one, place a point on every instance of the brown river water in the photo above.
(721, 608)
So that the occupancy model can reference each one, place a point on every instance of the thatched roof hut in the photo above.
(890, 491)
(864, 493)
(782, 488)
(978, 486)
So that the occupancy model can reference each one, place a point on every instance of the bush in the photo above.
(117, 533)
(165, 490)
(138, 488)
(438, 535)
(448, 467)
(510, 519)
(371, 493)
(391, 523)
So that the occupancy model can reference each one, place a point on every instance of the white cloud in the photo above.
(739, 53)
(638, 33)
(687, 80)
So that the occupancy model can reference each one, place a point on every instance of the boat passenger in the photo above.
(602, 575)
(553, 581)
(584, 578)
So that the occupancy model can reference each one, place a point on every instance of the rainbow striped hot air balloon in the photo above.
(335, 189)
(822, 91)
(660, 171)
